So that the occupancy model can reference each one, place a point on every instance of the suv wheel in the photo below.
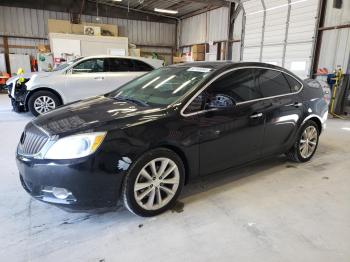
(42, 102)
(306, 144)
(153, 183)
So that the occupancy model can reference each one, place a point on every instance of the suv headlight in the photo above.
(75, 146)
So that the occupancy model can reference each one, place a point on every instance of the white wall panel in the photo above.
(335, 47)
(237, 28)
(193, 30)
(217, 22)
(337, 16)
(205, 27)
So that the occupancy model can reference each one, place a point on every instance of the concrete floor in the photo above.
(272, 211)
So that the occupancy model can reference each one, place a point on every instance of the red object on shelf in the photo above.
(3, 78)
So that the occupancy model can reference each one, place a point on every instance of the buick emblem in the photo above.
(23, 138)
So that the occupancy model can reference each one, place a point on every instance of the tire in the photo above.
(150, 187)
(52, 101)
(16, 106)
(297, 152)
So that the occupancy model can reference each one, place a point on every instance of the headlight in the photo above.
(75, 146)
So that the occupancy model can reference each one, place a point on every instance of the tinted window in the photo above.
(162, 86)
(272, 82)
(120, 65)
(142, 66)
(293, 83)
(239, 85)
(195, 105)
(90, 66)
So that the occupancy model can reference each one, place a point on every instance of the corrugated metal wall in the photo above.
(335, 48)
(33, 23)
(205, 27)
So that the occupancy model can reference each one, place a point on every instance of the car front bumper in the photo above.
(90, 186)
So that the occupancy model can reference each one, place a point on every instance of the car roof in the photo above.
(114, 56)
(224, 65)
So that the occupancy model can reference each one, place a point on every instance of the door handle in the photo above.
(99, 78)
(296, 104)
(257, 115)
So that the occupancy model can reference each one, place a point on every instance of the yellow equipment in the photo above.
(338, 76)
(20, 71)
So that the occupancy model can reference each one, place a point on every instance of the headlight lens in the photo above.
(75, 146)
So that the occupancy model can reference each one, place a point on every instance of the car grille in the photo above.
(32, 140)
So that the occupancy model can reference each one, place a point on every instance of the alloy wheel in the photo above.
(156, 183)
(308, 142)
(44, 104)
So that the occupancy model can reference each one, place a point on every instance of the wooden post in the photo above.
(7, 52)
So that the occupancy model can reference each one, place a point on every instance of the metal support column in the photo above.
(286, 35)
(263, 31)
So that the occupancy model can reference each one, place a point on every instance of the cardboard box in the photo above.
(64, 26)
(135, 52)
(177, 59)
(43, 48)
(198, 56)
(198, 49)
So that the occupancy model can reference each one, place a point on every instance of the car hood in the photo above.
(97, 113)
(28, 75)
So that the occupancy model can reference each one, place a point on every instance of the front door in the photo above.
(86, 79)
(232, 126)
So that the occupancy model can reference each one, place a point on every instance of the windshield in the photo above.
(64, 65)
(163, 86)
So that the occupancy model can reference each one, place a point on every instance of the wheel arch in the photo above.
(42, 89)
(183, 157)
(316, 119)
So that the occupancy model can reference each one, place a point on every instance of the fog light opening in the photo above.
(61, 193)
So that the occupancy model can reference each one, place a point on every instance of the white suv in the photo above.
(81, 78)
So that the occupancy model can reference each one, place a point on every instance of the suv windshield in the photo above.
(163, 86)
(64, 65)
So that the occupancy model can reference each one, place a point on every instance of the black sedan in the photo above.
(143, 142)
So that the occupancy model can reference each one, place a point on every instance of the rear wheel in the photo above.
(42, 102)
(306, 144)
(154, 183)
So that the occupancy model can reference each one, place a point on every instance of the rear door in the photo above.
(87, 78)
(283, 109)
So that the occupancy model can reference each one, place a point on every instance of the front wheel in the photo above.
(42, 102)
(306, 144)
(154, 183)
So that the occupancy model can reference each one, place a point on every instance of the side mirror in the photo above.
(220, 101)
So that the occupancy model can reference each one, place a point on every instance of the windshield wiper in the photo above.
(130, 99)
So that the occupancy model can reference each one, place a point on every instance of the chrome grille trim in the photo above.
(32, 141)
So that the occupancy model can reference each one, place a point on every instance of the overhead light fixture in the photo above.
(116, 0)
(166, 11)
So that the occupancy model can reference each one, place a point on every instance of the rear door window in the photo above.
(272, 82)
(141, 66)
(120, 65)
(294, 84)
